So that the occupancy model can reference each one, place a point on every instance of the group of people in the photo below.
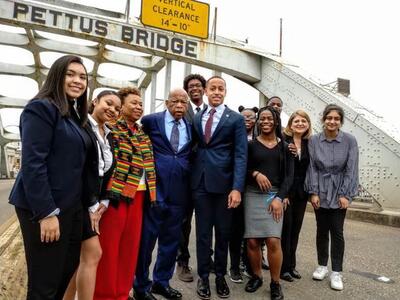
(97, 190)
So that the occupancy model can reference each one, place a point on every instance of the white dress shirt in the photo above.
(219, 110)
(105, 155)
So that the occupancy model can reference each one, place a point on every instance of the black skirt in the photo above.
(87, 231)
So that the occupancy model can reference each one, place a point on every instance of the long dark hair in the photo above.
(277, 121)
(53, 88)
(278, 134)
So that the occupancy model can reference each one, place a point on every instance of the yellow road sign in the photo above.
(184, 16)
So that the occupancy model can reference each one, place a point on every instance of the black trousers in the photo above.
(292, 222)
(211, 212)
(330, 221)
(51, 265)
(183, 251)
(236, 242)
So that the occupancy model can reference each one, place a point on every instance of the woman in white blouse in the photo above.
(105, 108)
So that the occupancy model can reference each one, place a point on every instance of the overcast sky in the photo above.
(357, 40)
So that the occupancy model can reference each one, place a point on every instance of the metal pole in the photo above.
(187, 70)
(167, 84)
(143, 96)
(153, 93)
(280, 38)
(128, 8)
(215, 23)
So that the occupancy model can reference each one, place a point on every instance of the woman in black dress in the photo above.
(270, 175)
(296, 134)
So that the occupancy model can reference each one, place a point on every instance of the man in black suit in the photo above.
(194, 85)
(218, 176)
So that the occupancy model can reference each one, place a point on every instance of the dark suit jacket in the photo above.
(94, 188)
(190, 113)
(189, 116)
(223, 160)
(53, 157)
(172, 168)
(300, 170)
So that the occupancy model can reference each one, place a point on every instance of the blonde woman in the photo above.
(296, 134)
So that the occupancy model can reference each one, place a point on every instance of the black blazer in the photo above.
(172, 169)
(300, 170)
(94, 186)
(53, 159)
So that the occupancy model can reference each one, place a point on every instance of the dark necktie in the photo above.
(197, 109)
(207, 129)
(175, 136)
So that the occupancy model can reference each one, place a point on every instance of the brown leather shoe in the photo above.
(184, 273)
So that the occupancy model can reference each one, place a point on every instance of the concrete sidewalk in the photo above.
(371, 251)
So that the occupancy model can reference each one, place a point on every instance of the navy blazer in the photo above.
(223, 160)
(53, 157)
(172, 168)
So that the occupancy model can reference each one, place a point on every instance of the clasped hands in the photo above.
(276, 207)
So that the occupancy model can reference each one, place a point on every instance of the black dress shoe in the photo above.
(276, 291)
(203, 289)
(166, 291)
(287, 277)
(144, 296)
(295, 274)
(253, 284)
(222, 287)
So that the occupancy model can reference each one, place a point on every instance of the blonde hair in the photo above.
(301, 113)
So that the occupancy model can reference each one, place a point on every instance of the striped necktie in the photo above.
(174, 140)
(207, 129)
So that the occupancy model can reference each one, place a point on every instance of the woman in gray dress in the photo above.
(270, 175)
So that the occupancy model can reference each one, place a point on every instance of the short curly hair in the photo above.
(124, 92)
(191, 77)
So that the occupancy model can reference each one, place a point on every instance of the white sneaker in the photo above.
(320, 273)
(336, 281)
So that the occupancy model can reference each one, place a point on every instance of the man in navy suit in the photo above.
(217, 180)
(194, 85)
(170, 135)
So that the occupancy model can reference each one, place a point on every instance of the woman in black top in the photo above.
(270, 174)
(297, 132)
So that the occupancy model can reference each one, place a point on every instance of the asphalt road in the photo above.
(6, 210)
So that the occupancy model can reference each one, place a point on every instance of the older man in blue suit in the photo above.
(217, 182)
(170, 135)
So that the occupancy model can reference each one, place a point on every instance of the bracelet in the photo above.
(255, 177)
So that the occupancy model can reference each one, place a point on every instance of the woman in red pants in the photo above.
(133, 178)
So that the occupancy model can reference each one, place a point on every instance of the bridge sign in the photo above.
(183, 16)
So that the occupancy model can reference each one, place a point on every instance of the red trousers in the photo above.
(120, 230)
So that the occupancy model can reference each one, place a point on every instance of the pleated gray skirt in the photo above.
(259, 223)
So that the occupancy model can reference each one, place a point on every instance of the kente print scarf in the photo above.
(133, 154)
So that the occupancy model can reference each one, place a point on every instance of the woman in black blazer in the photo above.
(296, 133)
(105, 108)
(48, 189)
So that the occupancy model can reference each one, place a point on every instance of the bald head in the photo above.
(177, 103)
